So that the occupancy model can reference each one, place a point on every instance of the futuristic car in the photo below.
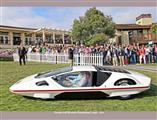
(108, 80)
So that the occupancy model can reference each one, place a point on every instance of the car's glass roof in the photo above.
(112, 69)
(53, 72)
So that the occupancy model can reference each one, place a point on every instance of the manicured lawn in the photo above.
(12, 72)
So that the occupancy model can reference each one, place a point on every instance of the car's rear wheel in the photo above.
(124, 83)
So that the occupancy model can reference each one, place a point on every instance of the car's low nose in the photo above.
(14, 88)
(21, 84)
(18, 87)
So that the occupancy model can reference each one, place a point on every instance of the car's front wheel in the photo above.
(124, 97)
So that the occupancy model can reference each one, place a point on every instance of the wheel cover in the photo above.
(124, 96)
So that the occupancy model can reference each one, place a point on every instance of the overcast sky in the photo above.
(62, 17)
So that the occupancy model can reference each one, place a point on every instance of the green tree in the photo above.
(94, 27)
(153, 28)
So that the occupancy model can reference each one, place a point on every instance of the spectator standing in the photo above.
(43, 50)
(137, 53)
(71, 55)
(142, 55)
(114, 56)
(148, 54)
(37, 49)
(108, 55)
(133, 54)
(33, 49)
(29, 49)
(126, 58)
(76, 50)
(22, 54)
(49, 50)
(104, 56)
(151, 54)
(154, 52)
(121, 55)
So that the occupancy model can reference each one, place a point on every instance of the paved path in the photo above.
(142, 68)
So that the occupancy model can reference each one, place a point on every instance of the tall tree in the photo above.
(153, 28)
(94, 27)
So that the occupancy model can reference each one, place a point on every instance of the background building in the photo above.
(11, 37)
(139, 32)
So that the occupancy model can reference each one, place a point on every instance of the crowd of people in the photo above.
(112, 53)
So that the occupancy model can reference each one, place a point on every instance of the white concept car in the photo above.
(113, 82)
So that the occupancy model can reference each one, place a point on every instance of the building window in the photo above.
(4, 38)
(67, 39)
(49, 39)
(140, 31)
(16, 38)
(28, 39)
(58, 39)
(39, 39)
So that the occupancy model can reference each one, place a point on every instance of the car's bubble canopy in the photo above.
(53, 72)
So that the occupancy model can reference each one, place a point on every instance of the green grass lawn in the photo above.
(12, 72)
(151, 65)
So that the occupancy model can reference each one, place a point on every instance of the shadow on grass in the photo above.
(149, 93)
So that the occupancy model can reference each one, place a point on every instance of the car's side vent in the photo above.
(42, 83)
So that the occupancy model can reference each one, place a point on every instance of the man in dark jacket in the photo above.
(22, 54)
(71, 55)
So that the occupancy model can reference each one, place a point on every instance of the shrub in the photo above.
(6, 55)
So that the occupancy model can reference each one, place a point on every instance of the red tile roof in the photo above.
(131, 26)
(144, 16)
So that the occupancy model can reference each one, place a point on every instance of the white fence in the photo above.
(79, 59)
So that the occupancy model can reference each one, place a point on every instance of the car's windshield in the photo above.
(53, 72)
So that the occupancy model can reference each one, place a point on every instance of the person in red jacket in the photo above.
(142, 54)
